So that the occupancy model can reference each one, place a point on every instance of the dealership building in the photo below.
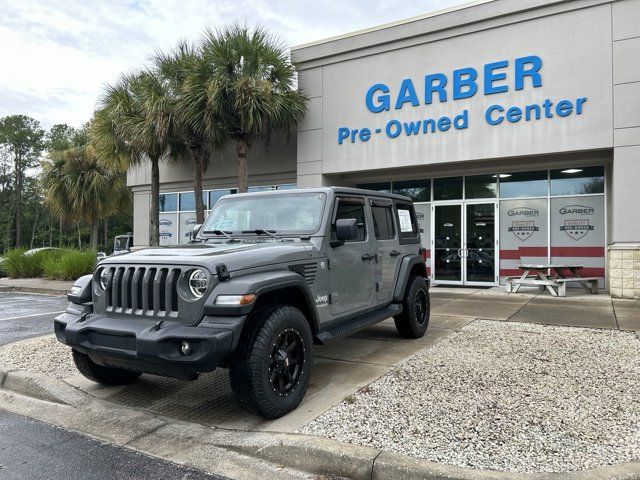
(513, 124)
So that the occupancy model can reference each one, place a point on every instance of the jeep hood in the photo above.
(235, 255)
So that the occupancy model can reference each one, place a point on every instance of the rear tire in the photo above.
(414, 319)
(104, 375)
(272, 369)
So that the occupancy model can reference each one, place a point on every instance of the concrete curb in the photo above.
(41, 291)
(243, 454)
(42, 387)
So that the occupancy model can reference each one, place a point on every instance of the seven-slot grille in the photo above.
(138, 290)
(307, 270)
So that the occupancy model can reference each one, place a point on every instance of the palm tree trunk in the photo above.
(196, 154)
(60, 233)
(105, 233)
(94, 234)
(241, 149)
(154, 220)
(79, 236)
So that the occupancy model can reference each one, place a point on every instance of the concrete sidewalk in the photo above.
(35, 285)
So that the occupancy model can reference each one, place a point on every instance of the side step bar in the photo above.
(347, 327)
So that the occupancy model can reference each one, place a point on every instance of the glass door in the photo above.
(464, 243)
(447, 244)
(479, 246)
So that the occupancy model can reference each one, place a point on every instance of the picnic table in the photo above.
(553, 277)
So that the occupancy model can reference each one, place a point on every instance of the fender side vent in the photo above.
(307, 270)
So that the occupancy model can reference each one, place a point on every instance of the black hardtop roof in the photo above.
(337, 190)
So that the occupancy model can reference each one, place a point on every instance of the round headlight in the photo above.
(198, 283)
(104, 278)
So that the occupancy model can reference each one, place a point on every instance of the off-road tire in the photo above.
(104, 375)
(250, 371)
(408, 323)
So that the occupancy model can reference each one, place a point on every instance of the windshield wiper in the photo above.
(262, 231)
(226, 233)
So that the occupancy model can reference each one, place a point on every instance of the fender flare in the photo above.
(406, 266)
(258, 283)
(80, 293)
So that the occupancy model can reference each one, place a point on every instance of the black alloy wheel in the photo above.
(286, 362)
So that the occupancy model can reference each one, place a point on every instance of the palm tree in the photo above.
(183, 70)
(79, 187)
(133, 125)
(250, 88)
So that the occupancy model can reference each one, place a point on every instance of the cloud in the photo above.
(57, 56)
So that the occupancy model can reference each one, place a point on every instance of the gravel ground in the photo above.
(504, 396)
(44, 355)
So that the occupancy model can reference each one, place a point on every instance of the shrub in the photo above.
(18, 264)
(70, 265)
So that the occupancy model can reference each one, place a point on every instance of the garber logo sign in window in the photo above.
(462, 83)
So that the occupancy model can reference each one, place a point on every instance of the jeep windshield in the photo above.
(268, 214)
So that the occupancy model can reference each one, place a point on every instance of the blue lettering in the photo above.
(490, 110)
(579, 103)
(430, 88)
(490, 77)
(407, 94)
(381, 101)
(464, 77)
(461, 121)
(564, 108)
(412, 128)
(393, 133)
(429, 123)
(365, 135)
(343, 133)
(514, 114)
(444, 123)
(533, 64)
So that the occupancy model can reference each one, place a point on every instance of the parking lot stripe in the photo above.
(34, 315)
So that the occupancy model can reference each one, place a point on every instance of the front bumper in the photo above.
(149, 345)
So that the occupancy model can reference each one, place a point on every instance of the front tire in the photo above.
(104, 375)
(271, 373)
(414, 319)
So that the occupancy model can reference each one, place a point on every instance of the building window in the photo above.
(523, 184)
(378, 187)
(286, 186)
(215, 195)
(447, 188)
(168, 202)
(577, 181)
(383, 222)
(417, 190)
(188, 201)
(480, 186)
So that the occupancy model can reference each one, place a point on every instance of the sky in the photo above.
(57, 56)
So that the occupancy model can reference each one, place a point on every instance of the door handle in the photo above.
(394, 253)
(368, 256)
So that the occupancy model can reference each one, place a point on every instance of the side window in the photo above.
(407, 223)
(352, 209)
(383, 222)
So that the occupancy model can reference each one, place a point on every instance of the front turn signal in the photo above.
(236, 300)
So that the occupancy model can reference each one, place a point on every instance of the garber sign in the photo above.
(463, 83)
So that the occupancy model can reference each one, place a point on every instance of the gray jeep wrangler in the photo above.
(265, 277)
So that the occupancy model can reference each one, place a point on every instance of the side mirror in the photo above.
(100, 256)
(346, 229)
(194, 231)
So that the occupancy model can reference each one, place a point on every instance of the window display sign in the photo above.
(523, 234)
(168, 229)
(577, 233)
(187, 222)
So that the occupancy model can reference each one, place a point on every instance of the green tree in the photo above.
(187, 77)
(79, 187)
(60, 137)
(22, 142)
(131, 128)
(251, 88)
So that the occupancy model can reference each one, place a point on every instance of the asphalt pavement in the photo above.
(38, 451)
(24, 315)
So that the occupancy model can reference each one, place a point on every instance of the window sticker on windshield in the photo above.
(405, 220)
